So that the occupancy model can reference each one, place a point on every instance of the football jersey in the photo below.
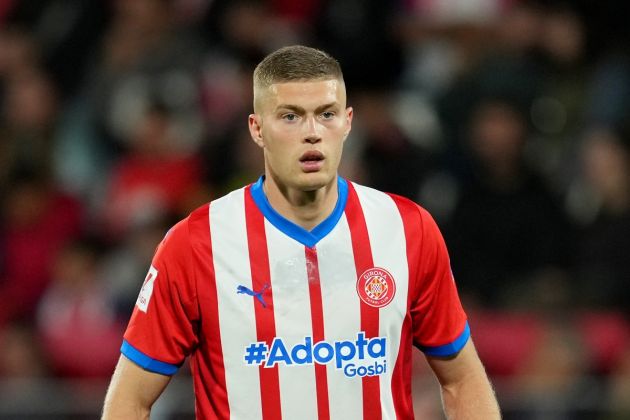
(284, 323)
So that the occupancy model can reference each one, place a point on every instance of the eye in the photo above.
(327, 115)
(290, 117)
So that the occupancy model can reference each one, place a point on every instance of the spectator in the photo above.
(145, 57)
(37, 221)
(601, 204)
(389, 160)
(554, 381)
(76, 321)
(27, 125)
(21, 355)
(505, 225)
(620, 389)
(154, 180)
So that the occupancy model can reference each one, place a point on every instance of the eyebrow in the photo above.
(300, 110)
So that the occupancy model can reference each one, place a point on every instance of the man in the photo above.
(300, 296)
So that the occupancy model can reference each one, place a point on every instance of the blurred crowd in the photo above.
(509, 120)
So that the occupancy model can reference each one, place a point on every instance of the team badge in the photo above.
(376, 287)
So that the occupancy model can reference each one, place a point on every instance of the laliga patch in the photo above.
(376, 287)
(147, 290)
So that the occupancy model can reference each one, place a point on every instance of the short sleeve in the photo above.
(162, 329)
(440, 327)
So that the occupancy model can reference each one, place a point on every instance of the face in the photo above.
(301, 127)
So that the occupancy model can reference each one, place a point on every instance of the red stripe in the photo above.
(208, 364)
(401, 376)
(369, 315)
(317, 317)
(265, 321)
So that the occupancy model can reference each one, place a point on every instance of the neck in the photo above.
(304, 208)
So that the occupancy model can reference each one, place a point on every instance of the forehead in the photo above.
(306, 94)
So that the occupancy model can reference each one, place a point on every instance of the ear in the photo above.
(255, 129)
(349, 114)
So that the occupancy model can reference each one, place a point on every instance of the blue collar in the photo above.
(305, 237)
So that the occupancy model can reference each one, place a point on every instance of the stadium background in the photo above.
(507, 119)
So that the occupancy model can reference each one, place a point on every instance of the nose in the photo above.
(311, 134)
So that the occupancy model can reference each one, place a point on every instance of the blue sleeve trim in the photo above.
(145, 362)
(450, 349)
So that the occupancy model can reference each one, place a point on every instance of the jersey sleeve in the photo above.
(440, 326)
(162, 328)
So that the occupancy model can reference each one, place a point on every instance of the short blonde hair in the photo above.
(294, 63)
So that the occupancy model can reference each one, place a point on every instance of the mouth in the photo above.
(312, 161)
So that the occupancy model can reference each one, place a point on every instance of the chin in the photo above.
(314, 181)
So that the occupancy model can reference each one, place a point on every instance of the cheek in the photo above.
(339, 140)
(277, 149)
(338, 151)
(275, 137)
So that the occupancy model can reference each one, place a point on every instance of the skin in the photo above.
(132, 391)
(292, 121)
(466, 391)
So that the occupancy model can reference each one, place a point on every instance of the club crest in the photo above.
(376, 287)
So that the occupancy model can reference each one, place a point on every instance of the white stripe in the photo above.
(236, 311)
(292, 310)
(342, 316)
(389, 251)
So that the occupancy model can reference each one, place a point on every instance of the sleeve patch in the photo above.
(147, 290)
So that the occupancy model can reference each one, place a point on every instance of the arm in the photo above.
(466, 390)
(132, 391)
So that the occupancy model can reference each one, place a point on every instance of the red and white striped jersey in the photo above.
(281, 322)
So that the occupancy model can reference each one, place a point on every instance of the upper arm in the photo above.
(456, 369)
(466, 389)
(132, 391)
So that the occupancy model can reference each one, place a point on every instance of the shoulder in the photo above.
(196, 225)
(176, 241)
(223, 204)
(410, 211)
